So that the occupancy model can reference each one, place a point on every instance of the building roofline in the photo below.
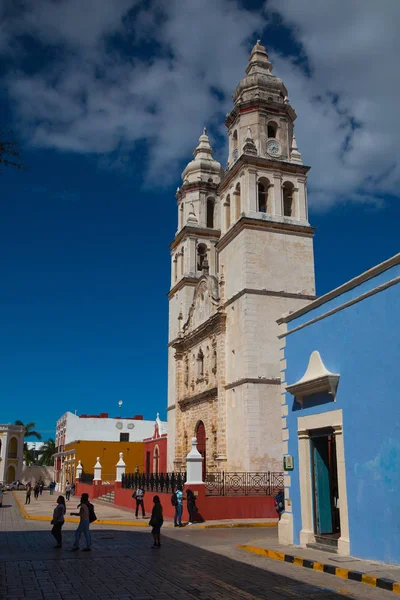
(345, 287)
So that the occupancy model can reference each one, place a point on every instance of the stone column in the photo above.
(252, 191)
(120, 470)
(301, 198)
(194, 465)
(97, 472)
(278, 204)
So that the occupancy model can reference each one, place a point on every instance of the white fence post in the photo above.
(194, 465)
(120, 468)
(97, 472)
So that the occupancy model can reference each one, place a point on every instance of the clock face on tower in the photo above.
(273, 148)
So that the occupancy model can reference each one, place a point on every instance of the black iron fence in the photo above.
(86, 477)
(225, 483)
(154, 482)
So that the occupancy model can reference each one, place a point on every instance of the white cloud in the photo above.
(91, 100)
(352, 53)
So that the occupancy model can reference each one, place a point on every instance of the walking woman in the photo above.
(156, 522)
(28, 493)
(191, 506)
(58, 520)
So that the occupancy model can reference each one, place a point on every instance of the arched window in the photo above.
(262, 198)
(180, 221)
(288, 194)
(176, 267)
(13, 448)
(182, 261)
(235, 152)
(200, 364)
(227, 206)
(210, 213)
(238, 208)
(200, 434)
(272, 128)
(201, 256)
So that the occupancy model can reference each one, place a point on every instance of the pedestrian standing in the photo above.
(52, 487)
(68, 490)
(178, 506)
(41, 486)
(86, 514)
(58, 520)
(156, 522)
(138, 495)
(36, 491)
(28, 493)
(191, 506)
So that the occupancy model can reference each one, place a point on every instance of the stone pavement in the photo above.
(42, 509)
(201, 564)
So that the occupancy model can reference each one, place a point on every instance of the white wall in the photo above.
(106, 429)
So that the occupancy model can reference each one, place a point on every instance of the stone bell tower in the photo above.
(192, 253)
(266, 251)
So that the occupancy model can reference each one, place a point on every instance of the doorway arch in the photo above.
(200, 433)
(10, 474)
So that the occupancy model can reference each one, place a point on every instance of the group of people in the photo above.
(86, 516)
(38, 488)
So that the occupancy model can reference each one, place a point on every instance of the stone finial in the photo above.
(206, 267)
(192, 219)
(259, 57)
(249, 146)
(295, 156)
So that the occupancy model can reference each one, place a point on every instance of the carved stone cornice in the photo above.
(263, 224)
(260, 161)
(206, 396)
(213, 325)
(192, 281)
(257, 381)
(188, 231)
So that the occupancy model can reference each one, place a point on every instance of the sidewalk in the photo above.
(375, 574)
(109, 514)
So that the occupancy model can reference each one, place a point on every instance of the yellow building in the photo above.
(11, 452)
(108, 453)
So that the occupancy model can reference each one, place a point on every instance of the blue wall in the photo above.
(362, 344)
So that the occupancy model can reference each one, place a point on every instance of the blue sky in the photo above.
(108, 101)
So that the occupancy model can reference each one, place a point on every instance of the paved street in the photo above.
(202, 564)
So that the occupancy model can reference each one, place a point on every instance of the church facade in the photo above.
(242, 256)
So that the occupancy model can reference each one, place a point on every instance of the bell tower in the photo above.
(266, 253)
(193, 252)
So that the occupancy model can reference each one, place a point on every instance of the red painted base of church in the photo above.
(211, 508)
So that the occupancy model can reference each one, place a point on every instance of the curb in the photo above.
(139, 523)
(378, 582)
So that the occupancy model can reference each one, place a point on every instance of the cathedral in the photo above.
(242, 257)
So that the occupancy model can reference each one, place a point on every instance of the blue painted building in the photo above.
(340, 362)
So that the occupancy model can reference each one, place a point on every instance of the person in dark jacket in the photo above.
(191, 506)
(156, 522)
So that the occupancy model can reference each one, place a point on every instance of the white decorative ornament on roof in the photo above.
(316, 379)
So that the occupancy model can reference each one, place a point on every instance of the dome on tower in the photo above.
(259, 81)
(203, 167)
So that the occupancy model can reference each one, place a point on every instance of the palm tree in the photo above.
(29, 455)
(48, 449)
(29, 429)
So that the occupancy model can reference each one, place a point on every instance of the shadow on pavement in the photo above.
(122, 566)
